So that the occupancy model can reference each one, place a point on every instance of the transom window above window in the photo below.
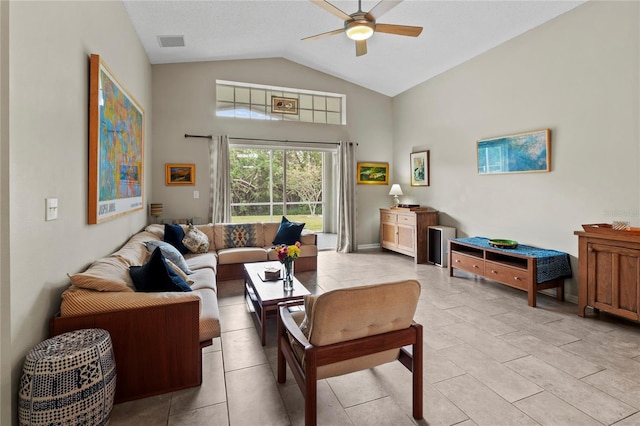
(260, 102)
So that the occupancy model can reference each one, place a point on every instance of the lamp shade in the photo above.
(155, 209)
(395, 190)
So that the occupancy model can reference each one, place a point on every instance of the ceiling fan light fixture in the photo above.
(359, 30)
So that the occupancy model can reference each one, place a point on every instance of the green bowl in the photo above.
(503, 244)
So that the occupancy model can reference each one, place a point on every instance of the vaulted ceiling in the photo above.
(454, 32)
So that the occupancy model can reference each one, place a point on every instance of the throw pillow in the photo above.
(156, 276)
(241, 235)
(179, 272)
(196, 240)
(173, 234)
(288, 232)
(171, 253)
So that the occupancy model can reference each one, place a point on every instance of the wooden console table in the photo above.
(526, 268)
(405, 231)
(609, 273)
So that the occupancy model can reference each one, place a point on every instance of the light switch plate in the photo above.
(51, 209)
(196, 194)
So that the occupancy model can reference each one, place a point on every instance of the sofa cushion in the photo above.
(209, 323)
(107, 274)
(242, 255)
(288, 232)
(173, 234)
(134, 251)
(203, 278)
(208, 231)
(157, 276)
(171, 253)
(195, 240)
(156, 229)
(201, 261)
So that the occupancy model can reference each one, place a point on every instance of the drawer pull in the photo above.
(493, 271)
(475, 266)
(516, 278)
(457, 260)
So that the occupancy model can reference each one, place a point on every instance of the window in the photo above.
(253, 101)
(267, 183)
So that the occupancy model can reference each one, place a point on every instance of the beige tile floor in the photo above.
(489, 360)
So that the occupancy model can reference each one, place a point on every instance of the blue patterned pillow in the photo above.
(241, 235)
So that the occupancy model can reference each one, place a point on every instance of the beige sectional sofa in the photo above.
(158, 336)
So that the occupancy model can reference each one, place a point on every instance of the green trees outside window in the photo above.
(268, 183)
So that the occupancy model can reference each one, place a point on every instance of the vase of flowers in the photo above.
(287, 255)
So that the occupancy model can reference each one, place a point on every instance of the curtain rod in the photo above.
(187, 135)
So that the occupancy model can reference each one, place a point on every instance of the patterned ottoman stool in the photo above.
(69, 379)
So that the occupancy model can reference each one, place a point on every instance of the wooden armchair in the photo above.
(348, 330)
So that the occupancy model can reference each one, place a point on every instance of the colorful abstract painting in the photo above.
(116, 154)
(525, 152)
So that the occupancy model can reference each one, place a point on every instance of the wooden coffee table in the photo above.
(262, 297)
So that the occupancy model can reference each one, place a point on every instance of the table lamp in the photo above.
(155, 210)
(395, 191)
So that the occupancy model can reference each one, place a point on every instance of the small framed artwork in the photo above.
(373, 173)
(180, 174)
(521, 153)
(419, 168)
(284, 105)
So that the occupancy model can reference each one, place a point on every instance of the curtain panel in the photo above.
(220, 198)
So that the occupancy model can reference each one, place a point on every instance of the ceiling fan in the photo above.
(359, 26)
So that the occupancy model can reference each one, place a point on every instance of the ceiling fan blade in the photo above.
(381, 8)
(404, 30)
(361, 47)
(328, 33)
(331, 9)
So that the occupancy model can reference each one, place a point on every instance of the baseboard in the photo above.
(368, 246)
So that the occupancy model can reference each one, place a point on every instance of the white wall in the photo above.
(184, 102)
(577, 75)
(50, 43)
(5, 306)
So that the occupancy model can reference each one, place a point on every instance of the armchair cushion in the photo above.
(351, 313)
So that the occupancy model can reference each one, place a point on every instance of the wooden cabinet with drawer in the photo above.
(609, 273)
(405, 231)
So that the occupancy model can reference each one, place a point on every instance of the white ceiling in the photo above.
(454, 31)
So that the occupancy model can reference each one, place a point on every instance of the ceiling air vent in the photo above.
(171, 40)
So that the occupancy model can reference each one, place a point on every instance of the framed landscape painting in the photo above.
(180, 174)
(521, 153)
(116, 131)
(373, 173)
(420, 168)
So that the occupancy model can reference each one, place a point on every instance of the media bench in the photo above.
(526, 268)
